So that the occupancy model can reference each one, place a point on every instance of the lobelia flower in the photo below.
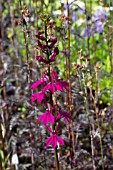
(37, 83)
(53, 57)
(54, 140)
(60, 84)
(56, 84)
(51, 82)
(54, 76)
(64, 114)
(46, 118)
(37, 96)
(51, 87)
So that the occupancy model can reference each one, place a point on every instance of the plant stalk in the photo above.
(51, 103)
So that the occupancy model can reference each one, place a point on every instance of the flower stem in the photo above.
(56, 158)
(90, 124)
(97, 117)
(51, 102)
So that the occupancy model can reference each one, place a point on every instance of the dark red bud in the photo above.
(39, 58)
(53, 39)
(38, 35)
(42, 46)
(56, 51)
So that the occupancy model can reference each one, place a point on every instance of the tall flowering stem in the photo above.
(50, 83)
(51, 100)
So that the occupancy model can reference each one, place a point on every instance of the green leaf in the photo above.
(6, 159)
(1, 154)
(3, 130)
(108, 65)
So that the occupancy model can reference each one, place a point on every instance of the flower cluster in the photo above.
(50, 83)
(98, 22)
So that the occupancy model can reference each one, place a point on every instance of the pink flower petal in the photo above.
(54, 142)
(65, 114)
(46, 118)
(58, 117)
(50, 87)
(48, 128)
(54, 76)
(48, 141)
(37, 96)
(37, 83)
(65, 85)
(58, 86)
(40, 118)
(52, 118)
(60, 140)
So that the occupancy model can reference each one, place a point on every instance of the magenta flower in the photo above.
(54, 140)
(56, 84)
(46, 118)
(37, 96)
(62, 84)
(36, 84)
(53, 87)
(39, 82)
(54, 76)
(51, 82)
(59, 83)
(64, 114)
